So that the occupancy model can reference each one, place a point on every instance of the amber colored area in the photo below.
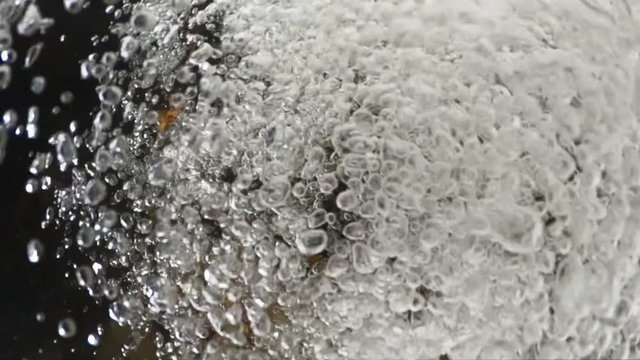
(167, 118)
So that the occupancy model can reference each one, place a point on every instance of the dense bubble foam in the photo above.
(354, 179)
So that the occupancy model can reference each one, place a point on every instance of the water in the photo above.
(255, 174)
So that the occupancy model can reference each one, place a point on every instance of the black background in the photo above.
(48, 286)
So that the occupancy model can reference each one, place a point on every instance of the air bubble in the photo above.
(67, 328)
(73, 6)
(86, 237)
(95, 192)
(143, 20)
(354, 231)
(347, 200)
(33, 54)
(93, 339)
(38, 84)
(311, 242)
(102, 120)
(5, 76)
(110, 95)
(35, 250)
(327, 183)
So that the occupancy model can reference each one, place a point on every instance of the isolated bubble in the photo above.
(35, 250)
(67, 328)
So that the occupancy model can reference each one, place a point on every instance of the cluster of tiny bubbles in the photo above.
(365, 182)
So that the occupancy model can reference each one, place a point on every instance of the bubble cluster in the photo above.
(379, 179)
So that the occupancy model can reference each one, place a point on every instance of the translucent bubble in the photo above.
(95, 192)
(93, 339)
(10, 118)
(362, 258)
(66, 97)
(40, 316)
(6, 40)
(327, 183)
(66, 150)
(128, 47)
(85, 276)
(38, 84)
(202, 54)
(103, 159)
(86, 237)
(354, 231)
(311, 242)
(9, 56)
(143, 20)
(67, 328)
(35, 250)
(317, 218)
(102, 120)
(162, 171)
(33, 54)
(110, 95)
(347, 200)
(275, 192)
(5, 76)
(336, 266)
(73, 6)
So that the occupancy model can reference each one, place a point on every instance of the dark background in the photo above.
(48, 286)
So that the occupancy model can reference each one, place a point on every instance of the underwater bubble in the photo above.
(327, 183)
(362, 258)
(5, 76)
(73, 6)
(35, 250)
(67, 328)
(95, 192)
(85, 276)
(311, 242)
(110, 95)
(38, 84)
(86, 237)
(347, 200)
(354, 231)
(40, 316)
(10, 118)
(93, 339)
(143, 20)
(67, 153)
(66, 97)
(33, 54)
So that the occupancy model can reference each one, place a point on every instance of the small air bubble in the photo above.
(312, 242)
(33, 54)
(35, 251)
(38, 84)
(67, 328)
(95, 192)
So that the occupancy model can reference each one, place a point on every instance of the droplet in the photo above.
(67, 328)
(9, 56)
(312, 242)
(162, 172)
(202, 54)
(35, 251)
(33, 54)
(95, 192)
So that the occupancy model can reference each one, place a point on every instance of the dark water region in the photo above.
(47, 287)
